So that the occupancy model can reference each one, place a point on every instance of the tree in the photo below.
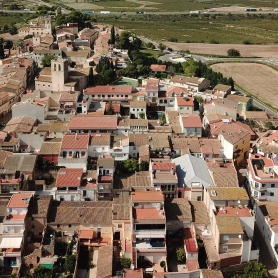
(91, 80)
(70, 263)
(130, 166)
(142, 115)
(2, 54)
(42, 272)
(123, 41)
(233, 52)
(180, 255)
(269, 125)
(253, 270)
(125, 262)
(161, 46)
(9, 45)
(46, 60)
(144, 166)
(110, 109)
(190, 68)
(112, 35)
(162, 118)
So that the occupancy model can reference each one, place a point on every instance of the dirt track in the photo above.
(265, 51)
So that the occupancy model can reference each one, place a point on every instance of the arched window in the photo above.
(59, 67)
(54, 67)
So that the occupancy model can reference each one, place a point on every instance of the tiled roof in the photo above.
(162, 164)
(104, 263)
(50, 148)
(20, 200)
(90, 122)
(210, 146)
(224, 179)
(235, 137)
(138, 139)
(147, 196)
(199, 212)
(228, 193)
(81, 213)
(229, 224)
(212, 273)
(59, 127)
(3, 157)
(238, 98)
(106, 162)
(100, 139)
(137, 104)
(269, 209)
(147, 214)
(75, 141)
(138, 122)
(177, 209)
(69, 96)
(255, 115)
(159, 68)
(152, 84)
(185, 101)
(191, 120)
(144, 153)
(119, 140)
(158, 141)
(140, 179)
(69, 177)
(106, 89)
(185, 80)
(211, 250)
(21, 162)
(212, 118)
(116, 107)
(39, 206)
(182, 142)
(43, 127)
(222, 87)
(121, 207)
(20, 124)
(221, 126)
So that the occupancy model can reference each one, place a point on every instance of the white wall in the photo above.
(248, 225)
(33, 140)
(246, 248)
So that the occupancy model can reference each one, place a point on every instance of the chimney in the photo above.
(173, 171)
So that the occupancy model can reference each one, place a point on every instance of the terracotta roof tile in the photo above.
(199, 212)
(191, 120)
(147, 196)
(106, 89)
(147, 214)
(177, 209)
(20, 200)
(159, 68)
(229, 224)
(210, 273)
(50, 148)
(185, 101)
(75, 141)
(91, 122)
(104, 263)
(228, 193)
(100, 139)
(3, 157)
(69, 177)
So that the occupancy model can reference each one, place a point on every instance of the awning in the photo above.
(69, 103)
(11, 242)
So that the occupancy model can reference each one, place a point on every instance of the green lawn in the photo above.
(150, 52)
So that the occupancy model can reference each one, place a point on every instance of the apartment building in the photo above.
(148, 226)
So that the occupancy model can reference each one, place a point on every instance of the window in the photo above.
(120, 226)
(226, 238)
(225, 248)
(271, 194)
(262, 194)
(134, 148)
(272, 185)
(263, 184)
(58, 226)
(69, 225)
(33, 226)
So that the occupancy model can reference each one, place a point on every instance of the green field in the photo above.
(204, 28)
(166, 6)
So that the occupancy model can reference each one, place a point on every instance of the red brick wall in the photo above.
(230, 261)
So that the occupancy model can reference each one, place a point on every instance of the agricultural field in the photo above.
(174, 5)
(263, 51)
(259, 80)
(204, 28)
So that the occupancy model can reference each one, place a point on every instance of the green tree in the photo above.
(144, 166)
(2, 54)
(180, 255)
(14, 7)
(42, 272)
(70, 263)
(162, 118)
(123, 41)
(161, 46)
(199, 99)
(112, 36)
(91, 80)
(233, 52)
(269, 126)
(110, 109)
(253, 270)
(190, 68)
(46, 60)
(125, 262)
(9, 45)
(142, 115)
(130, 166)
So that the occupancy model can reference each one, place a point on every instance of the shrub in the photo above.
(180, 255)
(125, 262)
(162, 264)
(233, 52)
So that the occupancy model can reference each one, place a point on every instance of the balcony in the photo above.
(149, 233)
